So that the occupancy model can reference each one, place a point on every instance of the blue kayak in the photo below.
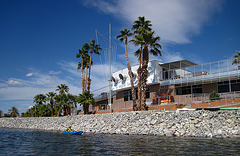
(76, 132)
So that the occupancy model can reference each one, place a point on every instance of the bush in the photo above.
(214, 96)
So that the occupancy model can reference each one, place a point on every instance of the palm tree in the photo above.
(83, 53)
(236, 58)
(123, 37)
(152, 43)
(43, 110)
(94, 48)
(63, 88)
(138, 40)
(71, 102)
(60, 102)
(50, 96)
(140, 27)
(144, 37)
(39, 99)
(85, 99)
(13, 112)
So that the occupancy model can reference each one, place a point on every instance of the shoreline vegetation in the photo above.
(202, 123)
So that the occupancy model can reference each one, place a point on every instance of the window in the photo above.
(197, 89)
(223, 87)
(148, 93)
(186, 90)
(128, 94)
(235, 85)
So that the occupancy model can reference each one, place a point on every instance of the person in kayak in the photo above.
(69, 129)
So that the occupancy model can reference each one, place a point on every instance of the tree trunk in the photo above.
(89, 79)
(85, 109)
(139, 80)
(64, 110)
(86, 79)
(131, 79)
(83, 77)
(51, 107)
(144, 76)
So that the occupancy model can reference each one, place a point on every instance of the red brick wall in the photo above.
(215, 103)
(208, 88)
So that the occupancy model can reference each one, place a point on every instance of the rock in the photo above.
(195, 124)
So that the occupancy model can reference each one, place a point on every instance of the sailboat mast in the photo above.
(110, 74)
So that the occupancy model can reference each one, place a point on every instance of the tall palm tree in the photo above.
(83, 53)
(123, 37)
(94, 48)
(85, 99)
(138, 40)
(13, 112)
(151, 43)
(50, 97)
(140, 27)
(236, 58)
(144, 37)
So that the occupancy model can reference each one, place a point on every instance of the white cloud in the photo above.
(29, 74)
(171, 57)
(55, 72)
(70, 67)
(174, 20)
(13, 82)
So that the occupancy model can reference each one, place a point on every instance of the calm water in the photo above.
(29, 142)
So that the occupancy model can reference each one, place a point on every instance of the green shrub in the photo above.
(214, 96)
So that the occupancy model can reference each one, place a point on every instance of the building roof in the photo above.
(178, 64)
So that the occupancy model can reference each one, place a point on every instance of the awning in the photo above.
(178, 65)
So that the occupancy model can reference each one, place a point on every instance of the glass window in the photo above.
(186, 90)
(197, 89)
(235, 85)
(126, 96)
(223, 87)
(148, 93)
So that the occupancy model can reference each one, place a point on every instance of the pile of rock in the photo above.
(190, 123)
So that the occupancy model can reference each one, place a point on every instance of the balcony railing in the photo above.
(213, 71)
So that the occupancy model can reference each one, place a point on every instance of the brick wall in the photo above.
(208, 88)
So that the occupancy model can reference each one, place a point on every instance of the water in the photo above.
(30, 142)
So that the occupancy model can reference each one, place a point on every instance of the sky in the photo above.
(39, 40)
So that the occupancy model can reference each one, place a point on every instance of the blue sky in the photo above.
(39, 39)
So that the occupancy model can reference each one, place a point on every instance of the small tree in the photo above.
(13, 112)
(214, 96)
(236, 58)
(85, 99)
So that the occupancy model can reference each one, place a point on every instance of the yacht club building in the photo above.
(175, 85)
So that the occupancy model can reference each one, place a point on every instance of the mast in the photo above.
(110, 74)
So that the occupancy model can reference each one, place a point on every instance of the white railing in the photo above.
(204, 72)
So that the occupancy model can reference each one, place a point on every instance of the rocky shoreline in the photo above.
(224, 123)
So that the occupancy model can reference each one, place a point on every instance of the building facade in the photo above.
(173, 85)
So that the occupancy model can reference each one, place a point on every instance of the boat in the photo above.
(76, 132)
